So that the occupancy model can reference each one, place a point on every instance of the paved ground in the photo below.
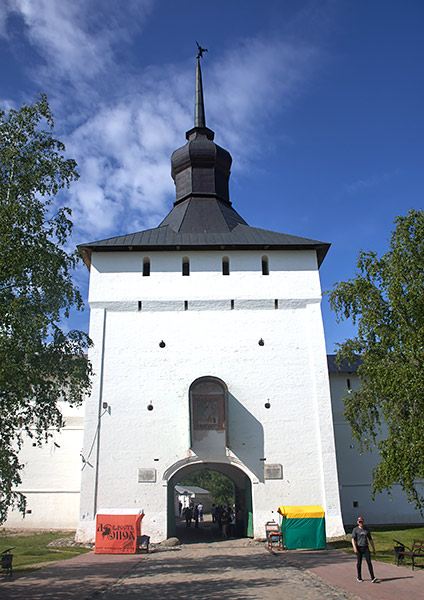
(221, 571)
(82, 577)
(339, 569)
(212, 570)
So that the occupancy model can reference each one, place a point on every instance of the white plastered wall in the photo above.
(51, 476)
(207, 336)
(355, 470)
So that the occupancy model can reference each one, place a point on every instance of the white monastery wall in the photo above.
(355, 470)
(51, 477)
(208, 339)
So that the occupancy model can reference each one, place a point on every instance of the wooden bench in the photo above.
(6, 560)
(417, 551)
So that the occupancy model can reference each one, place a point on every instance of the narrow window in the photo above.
(146, 267)
(185, 304)
(186, 266)
(232, 304)
(265, 266)
(348, 384)
(225, 265)
(139, 305)
(276, 304)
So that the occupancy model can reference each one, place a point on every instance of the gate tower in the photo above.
(208, 352)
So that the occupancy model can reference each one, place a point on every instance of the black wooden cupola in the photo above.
(201, 168)
(201, 172)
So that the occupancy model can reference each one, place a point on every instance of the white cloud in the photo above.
(369, 182)
(123, 153)
(255, 80)
(122, 128)
(77, 38)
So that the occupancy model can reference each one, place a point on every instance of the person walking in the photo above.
(188, 515)
(360, 537)
(224, 523)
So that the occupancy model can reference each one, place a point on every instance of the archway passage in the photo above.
(229, 490)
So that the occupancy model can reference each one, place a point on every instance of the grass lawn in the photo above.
(32, 549)
(383, 540)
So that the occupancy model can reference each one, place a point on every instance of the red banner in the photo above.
(117, 534)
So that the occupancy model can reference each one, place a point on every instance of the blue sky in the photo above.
(319, 102)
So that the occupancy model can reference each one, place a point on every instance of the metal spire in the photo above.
(199, 106)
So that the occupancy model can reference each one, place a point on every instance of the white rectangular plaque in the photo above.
(273, 471)
(147, 476)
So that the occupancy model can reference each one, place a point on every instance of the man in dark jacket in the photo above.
(188, 515)
(360, 537)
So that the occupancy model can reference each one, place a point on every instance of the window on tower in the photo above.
(186, 266)
(146, 267)
(225, 265)
(265, 265)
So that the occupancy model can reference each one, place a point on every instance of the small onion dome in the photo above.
(201, 167)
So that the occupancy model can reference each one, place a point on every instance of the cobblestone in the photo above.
(221, 570)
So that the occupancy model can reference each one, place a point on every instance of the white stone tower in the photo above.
(208, 353)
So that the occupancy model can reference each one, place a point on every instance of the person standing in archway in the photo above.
(188, 515)
(239, 522)
(224, 521)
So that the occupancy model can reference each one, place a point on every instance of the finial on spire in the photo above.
(199, 107)
(200, 50)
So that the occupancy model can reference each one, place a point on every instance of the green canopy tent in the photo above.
(303, 527)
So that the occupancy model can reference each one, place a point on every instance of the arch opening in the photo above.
(223, 485)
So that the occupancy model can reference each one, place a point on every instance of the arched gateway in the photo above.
(208, 351)
(210, 405)
(240, 479)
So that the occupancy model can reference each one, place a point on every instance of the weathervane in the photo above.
(201, 50)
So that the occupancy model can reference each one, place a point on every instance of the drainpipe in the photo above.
(99, 415)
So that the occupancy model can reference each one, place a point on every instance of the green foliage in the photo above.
(40, 363)
(385, 300)
(220, 487)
